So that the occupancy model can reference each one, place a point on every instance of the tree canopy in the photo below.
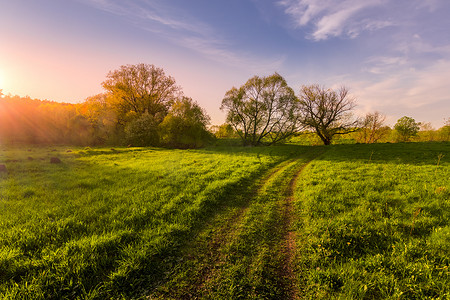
(26, 120)
(141, 88)
(185, 125)
(406, 128)
(264, 109)
(142, 106)
(149, 109)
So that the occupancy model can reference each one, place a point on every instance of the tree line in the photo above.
(142, 106)
(265, 110)
(372, 129)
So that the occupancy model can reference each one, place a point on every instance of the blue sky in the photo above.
(393, 55)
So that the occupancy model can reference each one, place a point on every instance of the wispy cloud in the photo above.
(421, 92)
(381, 65)
(178, 27)
(333, 18)
(409, 52)
(415, 44)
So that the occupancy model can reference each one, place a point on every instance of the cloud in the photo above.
(381, 65)
(331, 18)
(178, 27)
(418, 45)
(333, 24)
(431, 5)
(216, 52)
(406, 91)
(409, 52)
(402, 70)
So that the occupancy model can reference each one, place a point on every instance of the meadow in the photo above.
(374, 222)
(226, 222)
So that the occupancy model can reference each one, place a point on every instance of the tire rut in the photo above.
(210, 254)
(289, 247)
(222, 236)
(232, 227)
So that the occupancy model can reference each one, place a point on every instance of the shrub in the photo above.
(142, 131)
(185, 125)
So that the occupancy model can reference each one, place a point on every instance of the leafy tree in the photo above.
(406, 128)
(263, 109)
(427, 132)
(372, 128)
(444, 131)
(141, 88)
(103, 119)
(225, 131)
(327, 112)
(26, 120)
(144, 107)
(80, 131)
(142, 131)
(185, 125)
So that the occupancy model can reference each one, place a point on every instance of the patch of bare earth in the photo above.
(289, 247)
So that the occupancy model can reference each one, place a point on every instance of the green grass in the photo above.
(238, 256)
(110, 222)
(371, 222)
(375, 223)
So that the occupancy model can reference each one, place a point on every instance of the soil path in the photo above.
(290, 237)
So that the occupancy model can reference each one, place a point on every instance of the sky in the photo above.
(393, 55)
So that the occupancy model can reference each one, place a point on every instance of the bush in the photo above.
(185, 125)
(226, 131)
(142, 131)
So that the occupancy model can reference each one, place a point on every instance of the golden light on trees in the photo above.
(2, 80)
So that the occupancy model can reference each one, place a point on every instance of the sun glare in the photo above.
(2, 80)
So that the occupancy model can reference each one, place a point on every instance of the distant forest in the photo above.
(26, 120)
(32, 121)
(141, 106)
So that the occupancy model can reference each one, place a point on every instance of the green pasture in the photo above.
(374, 222)
(367, 221)
(110, 221)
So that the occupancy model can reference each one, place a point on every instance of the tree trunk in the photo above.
(326, 140)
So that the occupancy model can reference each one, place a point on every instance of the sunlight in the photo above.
(2, 81)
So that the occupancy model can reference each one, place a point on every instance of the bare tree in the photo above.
(372, 128)
(327, 112)
(264, 109)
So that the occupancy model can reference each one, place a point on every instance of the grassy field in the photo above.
(345, 221)
(374, 222)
